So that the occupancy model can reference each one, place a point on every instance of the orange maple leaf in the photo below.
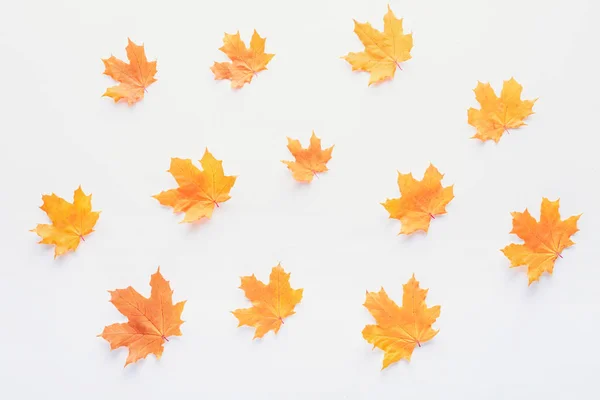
(419, 201)
(246, 63)
(400, 329)
(544, 240)
(70, 222)
(199, 191)
(150, 321)
(384, 51)
(134, 77)
(270, 303)
(309, 161)
(499, 114)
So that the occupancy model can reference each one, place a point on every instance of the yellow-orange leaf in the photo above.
(270, 303)
(309, 161)
(499, 114)
(150, 321)
(199, 191)
(384, 51)
(70, 221)
(544, 241)
(419, 201)
(400, 329)
(245, 62)
(133, 78)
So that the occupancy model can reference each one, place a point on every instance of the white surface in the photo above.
(499, 339)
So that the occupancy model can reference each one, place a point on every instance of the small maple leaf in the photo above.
(70, 222)
(419, 201)
(270, 303)
(498, 115)
(134, 77)
(544, 240)
(384, 51)
(245, 63)
(400, 329)
(199, 191)
(150, 321)
(309, 161)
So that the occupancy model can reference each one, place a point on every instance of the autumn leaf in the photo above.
(270, 303)
(419, 201)
(384, 51)
(70, 222)
(150, 321)
(499, 114)
(544, 241)
(199, 192)
(400, 329)
(309, 161)
(245, 62)
(133, 78)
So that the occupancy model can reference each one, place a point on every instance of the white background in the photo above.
(499, 338)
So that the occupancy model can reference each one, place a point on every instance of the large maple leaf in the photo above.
(199, 192)
(400, 329)
(150, 321)
(309, 161)
(70, 221)
(133, 78)
(270, 303)
(384, 51)
(544, 241)
(419, 201)
(245, 62)
(498, 114)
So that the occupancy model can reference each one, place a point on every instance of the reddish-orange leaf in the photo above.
(70, 221)
(419, 201)
(133, 78)
(270, 303)
(400, 329)
(150, 320)
(245, 62)
(309, 161)
(199, 192)
(544, 241)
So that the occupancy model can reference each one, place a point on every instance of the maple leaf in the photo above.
(270, 303)
(150, 321)
(400, 329)
(544, 240)
(309, 161)
(134, 77)
(245, 62)
(419, 201)
(499, 114)
(70, 221)
(199, 191)
(384, 51)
